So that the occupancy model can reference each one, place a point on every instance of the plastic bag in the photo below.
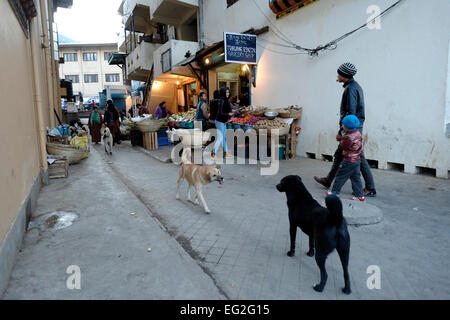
(53, 132)
(80, 143)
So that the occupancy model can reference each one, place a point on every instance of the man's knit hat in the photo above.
(347, 70)
(351, 122)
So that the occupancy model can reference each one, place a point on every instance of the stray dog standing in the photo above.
(326, 227)
(88, 135)
(197, 176)
(107, 139)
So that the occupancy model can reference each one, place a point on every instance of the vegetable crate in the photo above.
(150, 140)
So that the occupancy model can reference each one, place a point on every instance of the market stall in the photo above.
(284, 120)
(256, 119)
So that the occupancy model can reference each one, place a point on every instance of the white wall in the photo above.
(403, 69)
(178, 52)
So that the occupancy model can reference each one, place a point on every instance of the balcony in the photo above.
(173, 12)
(171, 53)
(136, 16)
(140, 60)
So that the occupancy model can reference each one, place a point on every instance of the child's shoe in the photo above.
(362, 199)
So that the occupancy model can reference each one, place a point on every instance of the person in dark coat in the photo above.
(213, 109)
(223, 116)
(95, 124)
(112, 120)
(352, 104)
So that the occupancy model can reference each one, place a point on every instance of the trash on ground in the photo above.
(55, 220)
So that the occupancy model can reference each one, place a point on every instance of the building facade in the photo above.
(30, 96)
(86, 65)
(403, 67)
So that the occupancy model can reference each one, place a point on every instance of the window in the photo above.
(91, 78)
(112, 77)
(73, 78)
(166, 58)
(90, 56)
(108, 55)
(231, 2)
(69, 57)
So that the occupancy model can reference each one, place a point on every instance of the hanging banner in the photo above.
(240, 48)
(283, 8)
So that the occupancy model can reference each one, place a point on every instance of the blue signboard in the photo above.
(240, 48)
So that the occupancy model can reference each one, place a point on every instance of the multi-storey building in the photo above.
(407, 94)
(86, 65)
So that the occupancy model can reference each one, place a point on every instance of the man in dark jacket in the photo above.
(352, 104)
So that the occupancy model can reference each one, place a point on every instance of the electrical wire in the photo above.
(279, 52)
(332, 45)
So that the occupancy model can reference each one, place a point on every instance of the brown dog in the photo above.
(197, 176)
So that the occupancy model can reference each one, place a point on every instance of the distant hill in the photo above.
(63, 39)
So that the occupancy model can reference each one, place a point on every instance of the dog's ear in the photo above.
(218, 167)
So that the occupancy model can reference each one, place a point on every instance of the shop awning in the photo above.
(117, 59)
(284, 7)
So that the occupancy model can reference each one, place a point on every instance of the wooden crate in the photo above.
(150, 140)
(59, 168)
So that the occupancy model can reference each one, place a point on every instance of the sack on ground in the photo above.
(80, 143)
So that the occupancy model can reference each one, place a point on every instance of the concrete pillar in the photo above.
(382, 164)
(410, 168)
(442, 173)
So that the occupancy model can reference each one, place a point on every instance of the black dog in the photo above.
(326, 227)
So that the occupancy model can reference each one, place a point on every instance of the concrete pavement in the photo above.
(110, 246)
(240, 249)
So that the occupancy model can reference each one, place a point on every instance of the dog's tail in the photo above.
(186, 156)
(334, 206)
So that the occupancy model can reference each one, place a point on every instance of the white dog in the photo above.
(88, 135)
(107, 139)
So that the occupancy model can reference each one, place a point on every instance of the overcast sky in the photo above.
(90, 21)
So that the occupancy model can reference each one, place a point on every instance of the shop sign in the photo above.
(240, 48)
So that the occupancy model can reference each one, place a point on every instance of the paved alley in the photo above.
(236, 252)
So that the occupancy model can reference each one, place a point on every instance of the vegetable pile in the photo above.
(184, 116)
(271, 124)
(248, 120)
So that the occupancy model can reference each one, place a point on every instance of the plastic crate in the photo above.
(162, 133)
(164, 141)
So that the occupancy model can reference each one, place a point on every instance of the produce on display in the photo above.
(141, 118)
(271, 124)
(188, 116)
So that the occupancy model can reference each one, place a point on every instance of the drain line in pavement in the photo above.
(181, 240)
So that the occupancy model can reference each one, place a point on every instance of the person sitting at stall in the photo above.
(162, 112)
(95, 124)
(142, 110)
(235, 103)
(133, 112)
(202, 111)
